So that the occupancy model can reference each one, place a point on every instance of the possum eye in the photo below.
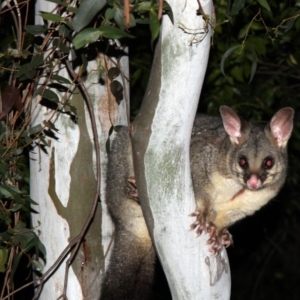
(268, 163)
(243, 162)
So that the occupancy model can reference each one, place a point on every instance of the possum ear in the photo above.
(281, 126)
(232, 123)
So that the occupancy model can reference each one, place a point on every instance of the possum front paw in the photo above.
(217, 239)
(226, 238)
(133, 192)
(201, 224)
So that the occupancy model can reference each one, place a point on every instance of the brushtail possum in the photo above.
(236, 167)
(131, 269)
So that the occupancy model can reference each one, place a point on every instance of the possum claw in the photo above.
(217, 239)
(133, 193)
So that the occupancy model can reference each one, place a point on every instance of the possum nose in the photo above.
(253, 182)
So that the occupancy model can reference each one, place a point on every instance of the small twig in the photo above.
(9, 264)
(13, 15)
(197, 34)
(127, 12)
(19, 33)
(248, 28)
(160, 8)
(26, 14)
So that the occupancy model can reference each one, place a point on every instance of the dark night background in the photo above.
(266, 254)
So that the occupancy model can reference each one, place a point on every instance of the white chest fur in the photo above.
(229, 195)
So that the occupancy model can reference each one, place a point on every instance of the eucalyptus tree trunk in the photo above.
(63, 180)
(161, 139)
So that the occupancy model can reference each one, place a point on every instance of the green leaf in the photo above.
(297, 24)
(119, 18)
(59, 2)
(20, 225)
(243, 31)
(43, 141)
(2, 127)
(73, 10)
(16, 207)
(86, 12)
(52, 17)
(225, 56)
(154, 25)
(112, 32)
(289, 24)
(3, 167)
(258, 43)
(144, 6)
(37, 265)
(5, 236)
(16, 261)
(26, 53)
(132, 22)
(27, 240)
(28, 70)
(32, 201)
(117, 90)
(110, 13)
(3, 259)
(64, 31)
(13, 188)
(35, 29)
(142, 21)
(86, 36)
(59, 44)
(6, 193)
(4, 216)
(35, 129)
(40, 247)
(18, 151)
(71, 108)
(236, 73)
(237, 6)
(60, 79)
(49, 98)
(254, 62)
(50, 95)
(264, 4)
(25, 72)
(37, 60)
(170, 14)
(113, 73)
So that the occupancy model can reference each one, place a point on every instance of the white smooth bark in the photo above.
(161, 141)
